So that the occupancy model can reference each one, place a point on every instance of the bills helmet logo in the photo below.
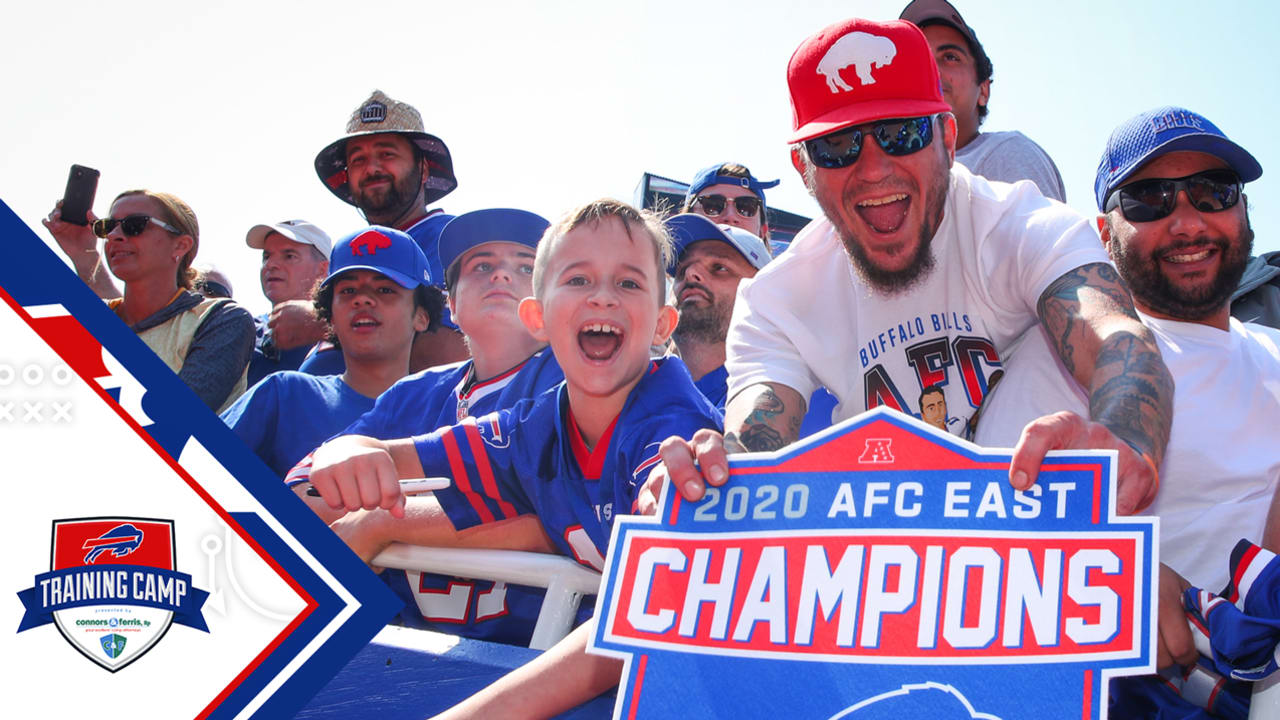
(933, 699)
(491, 431)
(120, 540)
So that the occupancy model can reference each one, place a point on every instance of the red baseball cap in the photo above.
(859, 71)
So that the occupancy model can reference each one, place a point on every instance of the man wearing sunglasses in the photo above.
(392, 169)
(922, 274)
(966, 73)
(1174, 219)
(728, 193)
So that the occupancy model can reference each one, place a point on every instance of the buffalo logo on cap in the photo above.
(863, 51)
(370, 241)
(374, 112)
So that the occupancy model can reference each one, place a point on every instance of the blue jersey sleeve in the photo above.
(484, 458)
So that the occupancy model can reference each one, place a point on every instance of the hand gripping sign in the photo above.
(882, 569)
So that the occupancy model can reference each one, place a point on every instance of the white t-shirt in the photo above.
(1222, 464)
(809, 320)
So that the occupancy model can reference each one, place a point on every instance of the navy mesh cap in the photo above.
(1147, 136)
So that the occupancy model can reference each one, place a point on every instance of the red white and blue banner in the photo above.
(882, 569)
(155, 567)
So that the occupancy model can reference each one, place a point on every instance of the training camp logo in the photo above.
(112, 588)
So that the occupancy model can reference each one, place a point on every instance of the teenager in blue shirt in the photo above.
(376, 299)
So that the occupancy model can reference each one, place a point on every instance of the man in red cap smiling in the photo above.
(921, 274)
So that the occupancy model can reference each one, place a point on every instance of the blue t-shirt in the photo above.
(266, 358)
(289, 414)
(530, 459)
(426, 232)
(423, 402)
(327, 360)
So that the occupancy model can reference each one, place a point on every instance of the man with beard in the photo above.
(710, 261)
(1175, 222)
(392, 169)
(921, 274)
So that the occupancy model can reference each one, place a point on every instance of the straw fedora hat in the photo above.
(381, 114)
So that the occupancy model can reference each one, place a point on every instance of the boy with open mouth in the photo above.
(549, 474)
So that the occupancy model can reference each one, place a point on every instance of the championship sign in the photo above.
(882, 569)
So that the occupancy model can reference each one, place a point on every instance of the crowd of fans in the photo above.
(549, 367)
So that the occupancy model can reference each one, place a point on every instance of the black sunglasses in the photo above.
(1155, 198)
(130, 226)
(896, 137)
(713, 205)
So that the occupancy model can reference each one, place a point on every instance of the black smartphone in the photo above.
(82, 185)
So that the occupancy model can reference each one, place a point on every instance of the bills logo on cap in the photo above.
(1176, 119)
(863, 51)
(369, 241)
(374, 112)
(114, 602)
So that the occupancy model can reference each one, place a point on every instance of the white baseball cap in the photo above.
(299, 231)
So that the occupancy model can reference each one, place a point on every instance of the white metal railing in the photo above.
(566, 581)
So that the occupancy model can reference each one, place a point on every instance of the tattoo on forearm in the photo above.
(758, 435)
(1130, 390)
(1132, 394)
(1059, 307)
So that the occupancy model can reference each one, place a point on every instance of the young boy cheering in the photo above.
(488, 258)
(551, 473)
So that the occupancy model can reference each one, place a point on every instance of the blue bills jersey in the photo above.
(1237, 633)
(435, 398)
(446, 395)
(531, 459)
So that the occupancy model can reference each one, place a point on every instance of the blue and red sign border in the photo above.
(806, 457)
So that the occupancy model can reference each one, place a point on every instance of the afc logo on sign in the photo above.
(878, 450)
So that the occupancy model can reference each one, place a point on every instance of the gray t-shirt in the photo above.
(1010, 157)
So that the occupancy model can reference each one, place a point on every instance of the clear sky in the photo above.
(548, 104)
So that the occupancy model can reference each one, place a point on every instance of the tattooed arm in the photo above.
(1089, 317)
(761, 418)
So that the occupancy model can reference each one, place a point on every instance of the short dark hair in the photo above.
(427, 297)
(934, 388)
(983, 69)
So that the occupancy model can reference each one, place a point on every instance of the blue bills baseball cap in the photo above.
(492, 225)
(689, 228)
(709, 176)
(1145, 137)
(384, 250)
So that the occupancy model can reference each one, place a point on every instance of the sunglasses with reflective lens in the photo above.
(713, 205)
(1154, 198)
(130, 226)
(896, 137)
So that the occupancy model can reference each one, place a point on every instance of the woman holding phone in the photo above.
(151, 240)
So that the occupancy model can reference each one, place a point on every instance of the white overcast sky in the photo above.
(548, 104)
